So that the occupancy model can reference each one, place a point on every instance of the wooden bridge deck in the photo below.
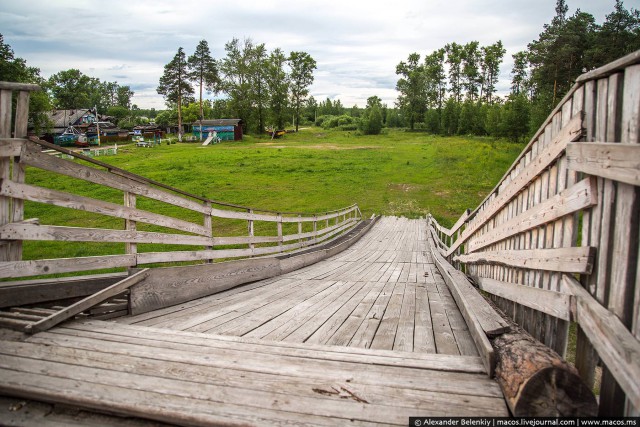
(382, 293)
(370, 336)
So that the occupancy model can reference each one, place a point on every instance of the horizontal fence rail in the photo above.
(17, 153)
(556, 241)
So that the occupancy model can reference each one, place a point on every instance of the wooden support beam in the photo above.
(556, 304)
(619, 162)
(568, 260)
(618, 348)
(87, 303)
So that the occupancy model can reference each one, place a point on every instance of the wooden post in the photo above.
(299, 228)
(18, 170)
(129, 225)
(280, 231)
(5, 166)
(208, 223)
(250, 225)
(315, 228)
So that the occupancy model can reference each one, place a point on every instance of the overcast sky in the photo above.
(356, 44)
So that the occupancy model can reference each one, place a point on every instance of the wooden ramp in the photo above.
(382, 293)
(369, 336)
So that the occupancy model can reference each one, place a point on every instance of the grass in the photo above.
(397, 173)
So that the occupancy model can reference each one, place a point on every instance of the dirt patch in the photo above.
(405, 188)
(325, 146)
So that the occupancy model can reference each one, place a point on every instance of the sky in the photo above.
(356, 44)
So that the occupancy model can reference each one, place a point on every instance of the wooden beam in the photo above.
(556, 304)
(615, 344)
(72, 201)
(11, 147)
(87, 303)
(619, 162)
(23, 231)
(579, 196)
(473, 308)
(34, 291)
(9, 269)
(567, 260)
(571, 132)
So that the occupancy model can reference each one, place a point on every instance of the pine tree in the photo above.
(203, 71)
(174, 85)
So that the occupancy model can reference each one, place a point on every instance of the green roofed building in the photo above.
(226, 129)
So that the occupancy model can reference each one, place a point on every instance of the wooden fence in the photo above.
(17, 153)
(556, 241)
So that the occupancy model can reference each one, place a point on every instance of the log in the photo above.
(536, 381)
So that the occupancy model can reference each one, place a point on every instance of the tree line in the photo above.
(262, 88)
(451, 90)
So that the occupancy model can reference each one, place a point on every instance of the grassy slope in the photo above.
(398, 173)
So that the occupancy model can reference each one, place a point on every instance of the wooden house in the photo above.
(227, 129)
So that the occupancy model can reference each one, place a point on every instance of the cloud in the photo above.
(356, 44)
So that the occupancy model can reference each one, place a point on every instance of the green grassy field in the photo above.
(397, 173)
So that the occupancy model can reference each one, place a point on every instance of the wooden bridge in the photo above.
(328, 318)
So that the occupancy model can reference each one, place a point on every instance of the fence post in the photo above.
(251, 231)
(299, 228)
(130, 225)
(280, 231)
(5, 165)
(208, 223)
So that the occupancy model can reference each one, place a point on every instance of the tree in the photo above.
(237, 80)
(203, 71)
(471, 78)
(278, 85)
(174, 85)
(371, 122)
(491, 59)
(559, 55)
(412, 98)
(618, 36)
(258, 63)
(455, 53)
(520, 73)
(16, 70)
(71, 89)
(123, 96)
(302, 66)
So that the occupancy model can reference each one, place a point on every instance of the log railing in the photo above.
(17, 153)
(556, 241)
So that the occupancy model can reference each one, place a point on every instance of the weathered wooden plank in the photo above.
(553, 303)
(579, 196)
(569, 260)
(26, 231)
(87, 204)
(5, 165)
(18, 86)
(87, 303)
(13, 269)
(174, 285)
(480, 319)
(619, 162)
(35, 291)
(11, 147)
(222, 213)
(618, 348)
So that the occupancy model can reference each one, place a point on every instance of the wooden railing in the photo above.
(17, 152)
(556, 241)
